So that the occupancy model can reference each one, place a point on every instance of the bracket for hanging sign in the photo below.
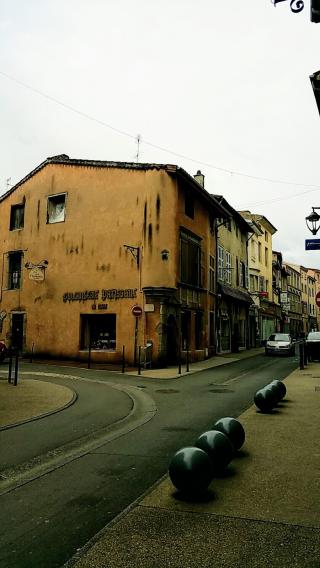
(295, 5)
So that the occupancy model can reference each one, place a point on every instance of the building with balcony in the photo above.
(261, 275)
(233, 330)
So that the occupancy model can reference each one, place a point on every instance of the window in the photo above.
(190, 258)
(266, 236)
(242, 274)
(253, 251)
(211, 274)
(261, 284)
(228, 267)
(220, 262)
(98, 331)
(237, 271)
(266, 256)
(56, 208)
(14, 270)
(17, 217)
(252, 287)
(259, 252)
(189, 205)
(267, 287)
(246, 277)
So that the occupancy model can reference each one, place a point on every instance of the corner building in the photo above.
(103, 255)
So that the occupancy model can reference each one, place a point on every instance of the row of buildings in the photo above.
(113, 256)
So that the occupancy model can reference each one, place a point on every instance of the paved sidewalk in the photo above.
(265, 512)
(31, 399)
(172, 371)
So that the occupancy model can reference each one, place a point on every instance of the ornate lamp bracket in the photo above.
(135, 251)
(295, 5)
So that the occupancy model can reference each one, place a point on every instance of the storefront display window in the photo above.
(98, 332)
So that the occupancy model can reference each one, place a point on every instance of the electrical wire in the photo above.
(276, 199)
(156, 146)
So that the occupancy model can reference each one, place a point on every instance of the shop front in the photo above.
(233, 320)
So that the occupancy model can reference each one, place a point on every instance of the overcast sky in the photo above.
(221, 86)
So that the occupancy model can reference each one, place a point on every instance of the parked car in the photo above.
(3, 351)
(313, 345)
(280, 344)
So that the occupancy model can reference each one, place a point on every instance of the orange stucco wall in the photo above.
(106, 208)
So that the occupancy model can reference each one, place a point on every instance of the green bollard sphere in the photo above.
(218, 447)
(265, 399)
(233, 429)
(191, 470)
(275, 390)
(281, 387)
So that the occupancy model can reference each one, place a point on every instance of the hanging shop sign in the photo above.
(36, 274)
(109, 294)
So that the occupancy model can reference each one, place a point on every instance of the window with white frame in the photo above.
(211, 274)
(242, 274)
(220, 262)
(228, 267)
(56, 208)
(261, 284)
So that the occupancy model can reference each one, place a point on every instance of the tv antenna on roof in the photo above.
(138, 141)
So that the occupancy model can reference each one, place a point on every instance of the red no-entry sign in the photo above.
(137, 311)
(318, 299)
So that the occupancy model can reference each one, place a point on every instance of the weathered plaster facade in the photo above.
(78, 215)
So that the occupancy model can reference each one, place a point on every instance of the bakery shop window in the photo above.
(98, 331)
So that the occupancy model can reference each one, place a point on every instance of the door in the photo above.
(17, 331)
(172, 340)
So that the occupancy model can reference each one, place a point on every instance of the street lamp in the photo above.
(313, 221)
(315, 82)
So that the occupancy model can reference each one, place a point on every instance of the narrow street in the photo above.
(46, 520)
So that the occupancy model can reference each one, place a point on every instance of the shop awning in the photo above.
(235, 294)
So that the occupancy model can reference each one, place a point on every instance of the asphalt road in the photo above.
(45, 521)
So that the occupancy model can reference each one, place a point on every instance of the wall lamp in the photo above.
(313, 221)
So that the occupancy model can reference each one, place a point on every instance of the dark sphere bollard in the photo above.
(191, 470)
(218, 447)
(281, 387)
(275, 391)
(265, 399)
(233, 429)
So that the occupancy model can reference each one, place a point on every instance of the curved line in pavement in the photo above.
(44, 414)
(143, 410)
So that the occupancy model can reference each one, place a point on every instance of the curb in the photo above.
(143, 409)
(44, 414)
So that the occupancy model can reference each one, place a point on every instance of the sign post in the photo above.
(137, 312)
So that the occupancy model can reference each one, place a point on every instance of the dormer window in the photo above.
(56, 209)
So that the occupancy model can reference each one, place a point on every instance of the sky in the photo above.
(220, 86)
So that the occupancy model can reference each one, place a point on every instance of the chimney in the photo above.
(199, 177)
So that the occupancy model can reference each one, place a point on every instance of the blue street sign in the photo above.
(312, 244)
